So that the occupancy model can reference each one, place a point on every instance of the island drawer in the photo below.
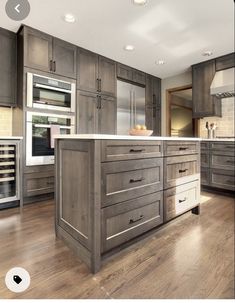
(38, 183)
(181, 169)
(221, 161)
(181, 199)
(129, 219)
(223, 179)
(116, 150)
(126, 180)
(173, 148)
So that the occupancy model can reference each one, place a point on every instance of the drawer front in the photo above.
(129, 219)
(181, 169)
(205, 176)
(205, 159)
(221, 161)
(38, 184)
(126, 180)
(205, 145)
(226, 147)
(173, 148)
(223, 179)
(127, 150)
(181, 199)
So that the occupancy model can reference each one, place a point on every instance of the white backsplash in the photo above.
(225, 124)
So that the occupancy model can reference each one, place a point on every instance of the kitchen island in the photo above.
(112, 189)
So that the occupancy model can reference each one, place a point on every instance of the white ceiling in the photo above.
(177, 31)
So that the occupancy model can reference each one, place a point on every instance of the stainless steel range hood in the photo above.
(222, 85)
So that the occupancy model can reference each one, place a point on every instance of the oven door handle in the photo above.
(49, 126)
(53, 88)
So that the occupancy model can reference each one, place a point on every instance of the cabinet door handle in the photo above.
(185, 199)
(136, 220)
(100, 88)
(136, 180)
(97, 102)
(54, 63)
(183, 170)
(97, 84)
(100, 102)
(137, 150)
(154, 100)
(183, 148)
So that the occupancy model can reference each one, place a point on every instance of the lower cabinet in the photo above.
(218, 165)
(111, 191)
(180, 199)
(129, 219)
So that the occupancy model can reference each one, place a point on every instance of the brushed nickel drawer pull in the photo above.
(230, 182)
(137, 150)
(230, 161)
(185, 199)
(229, 146)
(136, 220)
(136, 180)
(183, 148)
(50, 183)
(183, 170)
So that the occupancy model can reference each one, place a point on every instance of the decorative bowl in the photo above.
(137, 132)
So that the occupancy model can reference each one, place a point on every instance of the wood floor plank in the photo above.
(190, 257)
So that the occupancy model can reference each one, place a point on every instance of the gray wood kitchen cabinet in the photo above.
(87, 67)
(125, 72)
(96, 73)
(153, 104)
(49, 54)
(204, 105)
(224, 62)
(96, 114)
(8, 59)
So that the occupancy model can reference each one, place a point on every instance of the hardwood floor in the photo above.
(191, 257)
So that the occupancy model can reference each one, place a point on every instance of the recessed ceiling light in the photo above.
(129, 48)
(139, 2)
(69, 18)
(207, 53)
(160, 62)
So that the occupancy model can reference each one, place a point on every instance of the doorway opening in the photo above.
(180, 113)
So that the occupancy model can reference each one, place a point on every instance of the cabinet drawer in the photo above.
(205, 176)
(181, 199)
(181, 169)
(127, 150)
(223, 179)
(205, 158)
(129, 219)
(221, 161)
(180, 148)
(226, 147)
(126, 180)
(38, 184)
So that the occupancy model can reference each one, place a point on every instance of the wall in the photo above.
(225, 125)
(5, 121)
(168, 83)
(181, 122)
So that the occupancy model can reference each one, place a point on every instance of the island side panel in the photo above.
(77, 214)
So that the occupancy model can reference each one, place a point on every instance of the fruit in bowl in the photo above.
(140, 130)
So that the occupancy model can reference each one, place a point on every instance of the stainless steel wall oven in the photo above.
(49, 93)
(41, 128)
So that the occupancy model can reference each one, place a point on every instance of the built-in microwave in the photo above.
(40, 130)
(49, 93)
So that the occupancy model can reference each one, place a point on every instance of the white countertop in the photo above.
(10, 138)
(115, 137)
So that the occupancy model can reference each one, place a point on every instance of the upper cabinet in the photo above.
(130, 74)
(204, 105)
(8, 59)
(45, 53)
(224, 62)
(153, 104)
(96, 73)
